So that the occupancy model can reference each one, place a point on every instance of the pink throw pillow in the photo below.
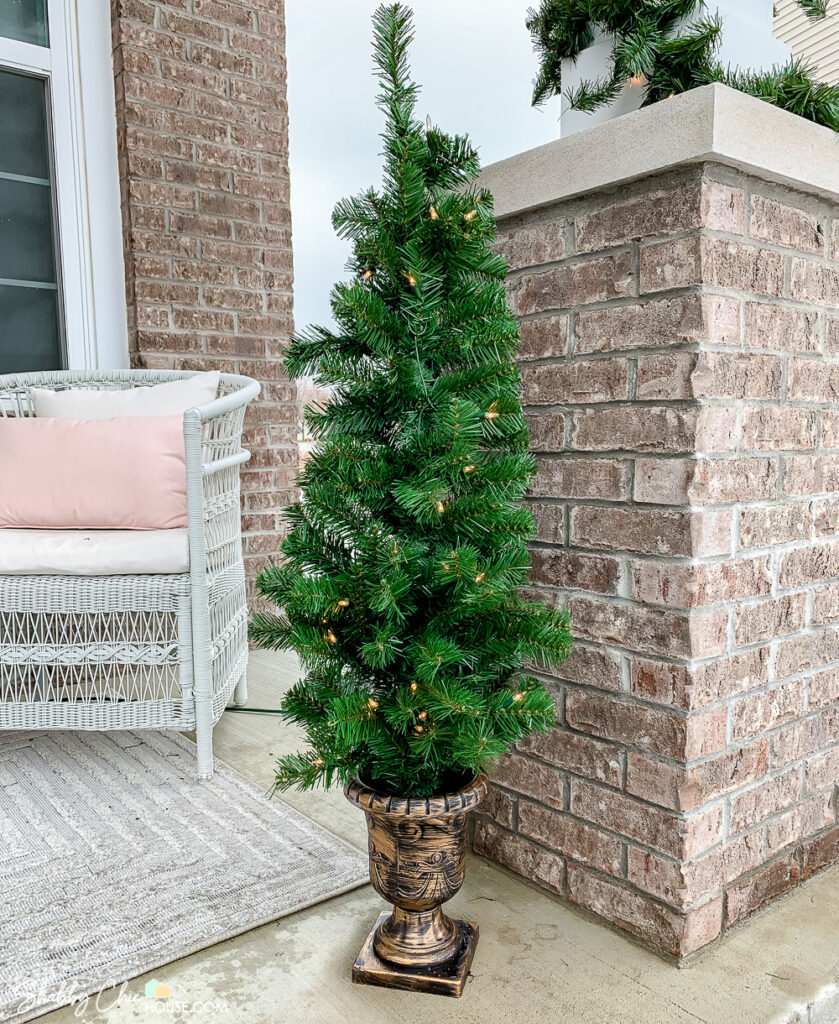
(110, 474)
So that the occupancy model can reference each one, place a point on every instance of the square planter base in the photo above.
(447, 980)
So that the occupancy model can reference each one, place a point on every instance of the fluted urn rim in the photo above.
(462, 800)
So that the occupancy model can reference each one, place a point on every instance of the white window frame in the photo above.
(81, 112)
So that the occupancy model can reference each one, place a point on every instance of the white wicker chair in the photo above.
(145, 651)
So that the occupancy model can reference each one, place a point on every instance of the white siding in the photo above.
(818, 41)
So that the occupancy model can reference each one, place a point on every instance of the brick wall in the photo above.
(680, 364)
(203, 145)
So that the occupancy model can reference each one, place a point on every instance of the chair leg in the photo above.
(240, 691)
(204, 737)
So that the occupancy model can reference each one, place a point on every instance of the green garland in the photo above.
(652, 42)
(402, 586)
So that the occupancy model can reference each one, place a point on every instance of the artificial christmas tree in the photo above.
(406, 555)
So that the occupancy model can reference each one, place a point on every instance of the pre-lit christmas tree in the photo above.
(408, 550)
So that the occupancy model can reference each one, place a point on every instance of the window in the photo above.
(61, 280)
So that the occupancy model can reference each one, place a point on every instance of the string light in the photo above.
(470, 215)
(343, 603)
(413, 687)
(428, 124)
(434, 214)
(367, 275)
(518, 695)
(330, 636)
(637, 80)
(480, 577)
(423, 715)
(468, 469)
(318, 761)
(492, 413)
(373, 704)
(412, 281)
(418, 728)
(441, 508)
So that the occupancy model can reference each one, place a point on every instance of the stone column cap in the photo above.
(714, 123)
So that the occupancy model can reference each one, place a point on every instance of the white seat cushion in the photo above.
(93, 552)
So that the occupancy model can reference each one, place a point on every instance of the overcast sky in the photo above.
(474, 62)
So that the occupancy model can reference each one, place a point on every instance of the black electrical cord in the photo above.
(257, 711)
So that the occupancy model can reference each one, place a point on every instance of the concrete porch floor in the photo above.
(537, 960)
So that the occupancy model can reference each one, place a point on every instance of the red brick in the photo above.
(814, 282)
(550, 522)
(580, 478)
(693, 586)
(591, 667)
(806, 819)
(683, 375)
(499, 806)
(823, 689)
(661, 429)
(703, 260)
(667, 211)
(807, 651)
(578, 754)
(547, 336)
(821, 852)
(778, 524)
(765, 620)
(660, 322)
(518, 855)
(812, 380)
(757, 890)
(651, 531)
(576, 284)
(675, 835)
(576, 382)
(706, 482)
(528, 247)
(533, 778)
(571, 838)
(781, 328)
(811, 474)
(822, 770)
(755, 805)
(784, 225)
(773, 427)
(805, 737)
(676, 933)
(760, 712)
(684, 884)
(574, 571)
(649, 630)
(687, 788)
(635, 724)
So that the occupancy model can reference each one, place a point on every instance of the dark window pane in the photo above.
(25, 20)
(29, 329)
(23, 125)
(26, 231)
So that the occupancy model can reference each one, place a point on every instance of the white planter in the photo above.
(747, 42)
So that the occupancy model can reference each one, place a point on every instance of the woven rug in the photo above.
(114, 861)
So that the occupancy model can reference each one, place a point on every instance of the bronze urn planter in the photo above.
(417, 851)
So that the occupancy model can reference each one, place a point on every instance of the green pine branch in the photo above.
(668, 46)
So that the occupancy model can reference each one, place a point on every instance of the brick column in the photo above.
(203, 144)
(680, 365)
